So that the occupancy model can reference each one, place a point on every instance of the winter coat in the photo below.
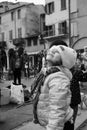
(78, 76)
(13, 62)
(53, 107)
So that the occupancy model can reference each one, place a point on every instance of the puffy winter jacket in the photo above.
(53, 107)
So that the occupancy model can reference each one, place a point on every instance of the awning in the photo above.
(52, 38)
(33, 53)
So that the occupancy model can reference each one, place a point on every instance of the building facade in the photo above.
(56, 20)
(21, 21)
(79, 19)
(66, 20)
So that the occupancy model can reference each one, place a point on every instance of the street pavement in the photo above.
(13, 115)
(21, 118)
(31, 126)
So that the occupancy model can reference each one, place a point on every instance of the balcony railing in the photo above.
(49, 33)
(62, 30)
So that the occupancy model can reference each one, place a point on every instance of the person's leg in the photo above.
(28, 73)
(15, 76)
(35, 118)
(75, 113)
(19, 76)
(68, 126)
(25, 72)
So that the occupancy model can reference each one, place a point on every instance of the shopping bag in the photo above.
(17, 94)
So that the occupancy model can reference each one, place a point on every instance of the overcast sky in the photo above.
(29, 1)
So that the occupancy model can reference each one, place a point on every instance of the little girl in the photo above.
(53, 107)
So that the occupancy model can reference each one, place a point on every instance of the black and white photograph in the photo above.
(43, 65)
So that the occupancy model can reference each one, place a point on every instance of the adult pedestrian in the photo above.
(1, 66)
(26, 67)
(78, 76)
(17, 67)
(53, 107)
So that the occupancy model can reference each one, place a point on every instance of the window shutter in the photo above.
(53, 6)
(74, 30)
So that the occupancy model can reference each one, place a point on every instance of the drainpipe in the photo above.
(69, 8)
(15, 23)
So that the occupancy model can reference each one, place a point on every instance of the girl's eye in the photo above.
(53, 52)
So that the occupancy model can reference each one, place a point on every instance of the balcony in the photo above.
(51, 33)
(19, 42)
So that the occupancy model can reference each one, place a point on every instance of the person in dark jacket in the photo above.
(17, 67)
(1, 66)
(78, 76)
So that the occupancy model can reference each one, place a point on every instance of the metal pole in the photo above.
(69, 7)
(15, 23)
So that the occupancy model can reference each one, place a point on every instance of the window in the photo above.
(35, 41)
(19, 14)
(19, 33)
(50, 30)
(3, 36)
(0, 20)
(63, 27)
(10, 35)
(42, 22)
(12, 16)
(73, 6)
(6, 8)
(29, 42)
(49, 8)
(63, 4)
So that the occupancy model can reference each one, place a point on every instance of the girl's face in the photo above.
(53, 56)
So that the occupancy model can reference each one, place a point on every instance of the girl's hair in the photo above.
(57, 42)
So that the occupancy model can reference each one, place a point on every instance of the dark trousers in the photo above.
(75, 113)
(35, 111)
(68, 126)
(35, 102)
(17, 76)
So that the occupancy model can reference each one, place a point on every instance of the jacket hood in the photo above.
(67, 55)
(66, 71)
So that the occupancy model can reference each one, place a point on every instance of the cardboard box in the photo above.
(4, 96)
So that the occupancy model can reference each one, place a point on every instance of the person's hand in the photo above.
(44, 70)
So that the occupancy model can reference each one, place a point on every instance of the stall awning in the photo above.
(33, 53)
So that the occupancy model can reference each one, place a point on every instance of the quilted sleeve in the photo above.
(58, 92)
